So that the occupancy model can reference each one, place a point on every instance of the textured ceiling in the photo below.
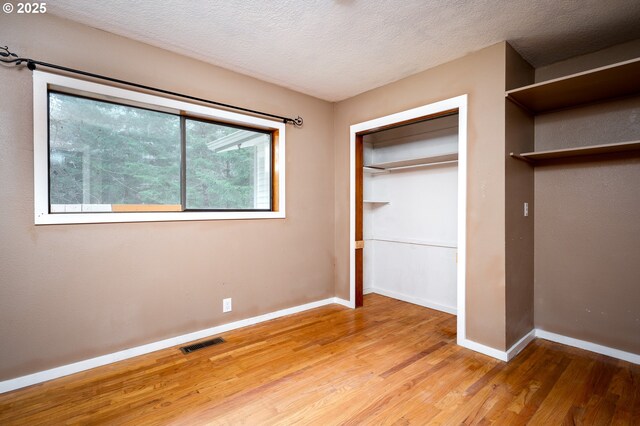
(335, 49)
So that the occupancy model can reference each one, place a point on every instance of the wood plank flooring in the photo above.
(387, 363)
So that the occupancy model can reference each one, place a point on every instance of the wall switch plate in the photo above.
(226, 305)
(526, 209)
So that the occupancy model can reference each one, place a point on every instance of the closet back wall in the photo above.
(72, 292)
(587, 227)
(411, 246)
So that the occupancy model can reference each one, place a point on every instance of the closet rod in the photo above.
(13, 59)
(411, 242)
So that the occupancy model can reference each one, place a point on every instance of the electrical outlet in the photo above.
(526, 209)
(226, 305)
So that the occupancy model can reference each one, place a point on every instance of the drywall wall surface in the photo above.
(595, 124)
(414, 237)
(71, 292)
(587, 251)
(519, 72)
(600, 58)
(587, 232)
(481, 76)
(519, 189)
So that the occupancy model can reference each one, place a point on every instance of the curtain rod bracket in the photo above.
(10, 58)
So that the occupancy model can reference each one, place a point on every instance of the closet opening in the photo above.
(408, 199)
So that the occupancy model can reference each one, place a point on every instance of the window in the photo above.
(104, 154)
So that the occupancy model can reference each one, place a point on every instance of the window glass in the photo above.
(110, 157)
(227, 168)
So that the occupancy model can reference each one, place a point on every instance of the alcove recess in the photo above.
(573, 154)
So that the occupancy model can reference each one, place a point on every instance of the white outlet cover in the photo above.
(226, 305)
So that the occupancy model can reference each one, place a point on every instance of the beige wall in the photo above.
(519, 231)
(70, 292)
(601, 58)
(481, 75)
(587, 253)
(587, 227)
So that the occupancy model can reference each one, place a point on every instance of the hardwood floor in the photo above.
(387, 363)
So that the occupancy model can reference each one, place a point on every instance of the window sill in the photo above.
(80, 218)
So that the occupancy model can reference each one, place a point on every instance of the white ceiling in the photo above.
(335, 49)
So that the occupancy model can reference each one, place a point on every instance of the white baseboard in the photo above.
(496, 353)
(558, 338)
(339, 301)
(520, 345)
(483, 349)
(413, 299)
(367, 290)
(65, 370)
(588, 346)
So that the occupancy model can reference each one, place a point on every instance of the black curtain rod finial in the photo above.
(10, 58)
(6, 53)
(298, 121)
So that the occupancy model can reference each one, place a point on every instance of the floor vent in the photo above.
(200, 345)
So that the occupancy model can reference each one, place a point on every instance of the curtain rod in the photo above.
(8, 57)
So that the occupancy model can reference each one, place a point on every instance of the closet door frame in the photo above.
(458, 105)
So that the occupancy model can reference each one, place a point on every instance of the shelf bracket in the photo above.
(519, 104)
(521, 158)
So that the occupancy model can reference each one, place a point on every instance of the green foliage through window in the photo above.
(103, 154)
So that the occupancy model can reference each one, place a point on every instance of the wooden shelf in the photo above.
(415, 162)
(620, 79)
(539, 156)
(374, 170)
(375, 202)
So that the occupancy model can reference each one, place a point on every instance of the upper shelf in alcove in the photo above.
(611, 81)
(540, 156)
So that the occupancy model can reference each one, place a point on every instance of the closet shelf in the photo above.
(620, 79)
(376, 202)
(539, 156)
(414, 162)
(374, 170)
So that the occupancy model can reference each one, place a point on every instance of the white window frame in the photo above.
(44, 81)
